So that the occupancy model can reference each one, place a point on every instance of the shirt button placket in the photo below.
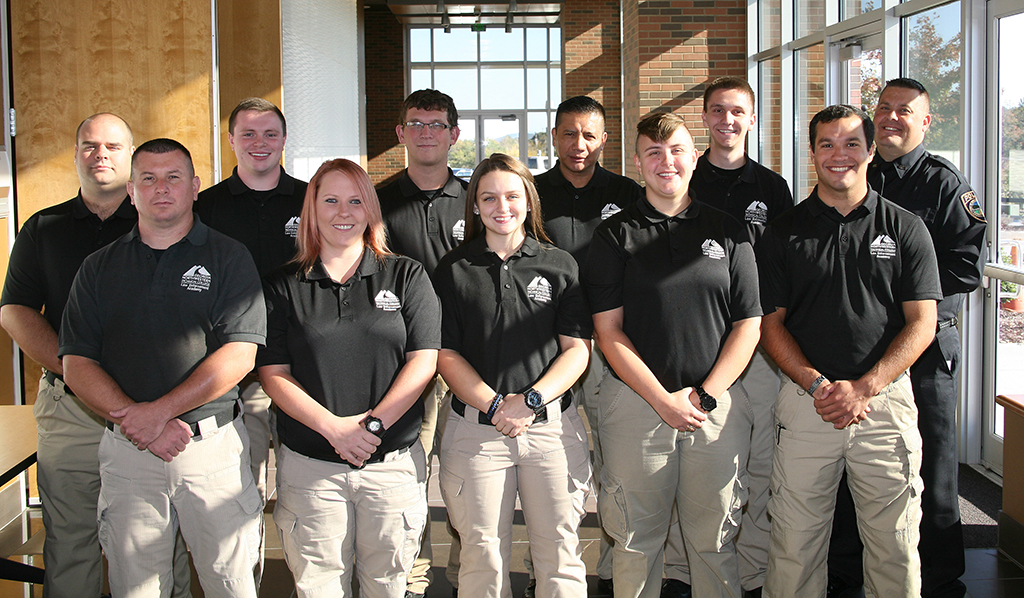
(344, 308)
(505, 277)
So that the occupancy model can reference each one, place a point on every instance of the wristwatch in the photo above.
(707, 402)
(374, 425)
(534, 400)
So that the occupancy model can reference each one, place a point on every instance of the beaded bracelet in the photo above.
(495, 403)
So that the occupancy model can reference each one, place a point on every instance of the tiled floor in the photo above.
(988, 574)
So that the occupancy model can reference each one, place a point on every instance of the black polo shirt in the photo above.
(50, 248)
(422, 224)
(843, 280)
(266, 222)
(681, 281)
(755, 198)
(346, 343)
(935, 190)
(572, 215)
(150, 318)
(504, 317)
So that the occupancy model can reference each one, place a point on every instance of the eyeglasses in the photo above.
(417, 126)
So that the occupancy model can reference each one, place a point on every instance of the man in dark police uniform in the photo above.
(931, 187)
(160, 327)
(849, 282)
(47, 253)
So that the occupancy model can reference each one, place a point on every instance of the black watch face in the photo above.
(374, 425)
(708, 402)
(533, 399)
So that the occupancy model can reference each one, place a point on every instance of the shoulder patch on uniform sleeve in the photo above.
(973, 206)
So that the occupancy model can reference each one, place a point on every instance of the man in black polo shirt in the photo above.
(851, 283)
(672, 285)
(47, 253)
(425, 214)
(729, 180)
(160, 327)
(935, 190)
(576, 196)
(259, 205)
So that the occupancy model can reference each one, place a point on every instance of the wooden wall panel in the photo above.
(249, 57)
(147, 60)
(150, 61)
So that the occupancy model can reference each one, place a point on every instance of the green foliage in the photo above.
(462, 154)
(936, 63)
(1012, 139)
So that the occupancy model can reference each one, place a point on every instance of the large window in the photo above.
(934, 57)
(506, 86)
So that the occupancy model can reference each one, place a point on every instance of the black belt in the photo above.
(223, 418)
(542, 416)
(946, 324)
(379, 458)
(52, 379)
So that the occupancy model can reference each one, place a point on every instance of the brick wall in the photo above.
(683, 45)
(591, 65)
(769, 117)
(385, 92)
(810, 99)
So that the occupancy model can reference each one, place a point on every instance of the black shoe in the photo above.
(531, 589)
(411, 594)
(755, 593)
(841, 588)
(605, 588)
(673, 588)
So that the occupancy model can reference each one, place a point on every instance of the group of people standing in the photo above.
(749, 356)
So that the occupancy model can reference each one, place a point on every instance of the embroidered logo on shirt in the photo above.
(291, 228)
(197, 279)
(459, 230)
(387, 301)
(539, 290)
(756, 213)
(609, 210)
(712, 249)
(883, 247)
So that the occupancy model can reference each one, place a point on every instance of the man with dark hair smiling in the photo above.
(849, 284)
(931, 187)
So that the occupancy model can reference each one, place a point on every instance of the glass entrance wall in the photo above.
(1009, 353)
(506, 87)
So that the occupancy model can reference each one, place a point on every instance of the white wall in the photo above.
(322, 54)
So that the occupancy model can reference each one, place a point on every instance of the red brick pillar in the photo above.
(385, 92)
(591, 65)
(676, 47)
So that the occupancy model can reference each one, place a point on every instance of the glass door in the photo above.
(1004, 322)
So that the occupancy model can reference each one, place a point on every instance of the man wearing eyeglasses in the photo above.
(424, 211)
